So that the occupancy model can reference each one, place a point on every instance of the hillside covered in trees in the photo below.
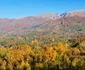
(44, 42)
(54, 56)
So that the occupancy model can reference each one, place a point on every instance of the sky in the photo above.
(23, 8)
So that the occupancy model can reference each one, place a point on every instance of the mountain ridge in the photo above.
(43, 27)
(74, 13)
(28, 23)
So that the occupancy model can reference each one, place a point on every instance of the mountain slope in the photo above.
(45, 26)
(62, 29)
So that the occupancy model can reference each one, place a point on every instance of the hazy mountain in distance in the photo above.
(45, 22)
(45, 26)
(80, 13)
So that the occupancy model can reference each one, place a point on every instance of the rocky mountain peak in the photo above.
(80, 13)
(52, 16)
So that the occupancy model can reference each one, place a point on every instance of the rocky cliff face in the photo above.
(51, 16)
(80, 13)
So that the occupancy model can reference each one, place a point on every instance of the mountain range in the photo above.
(45, 26)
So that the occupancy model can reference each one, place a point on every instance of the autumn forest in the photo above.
(44, 42)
